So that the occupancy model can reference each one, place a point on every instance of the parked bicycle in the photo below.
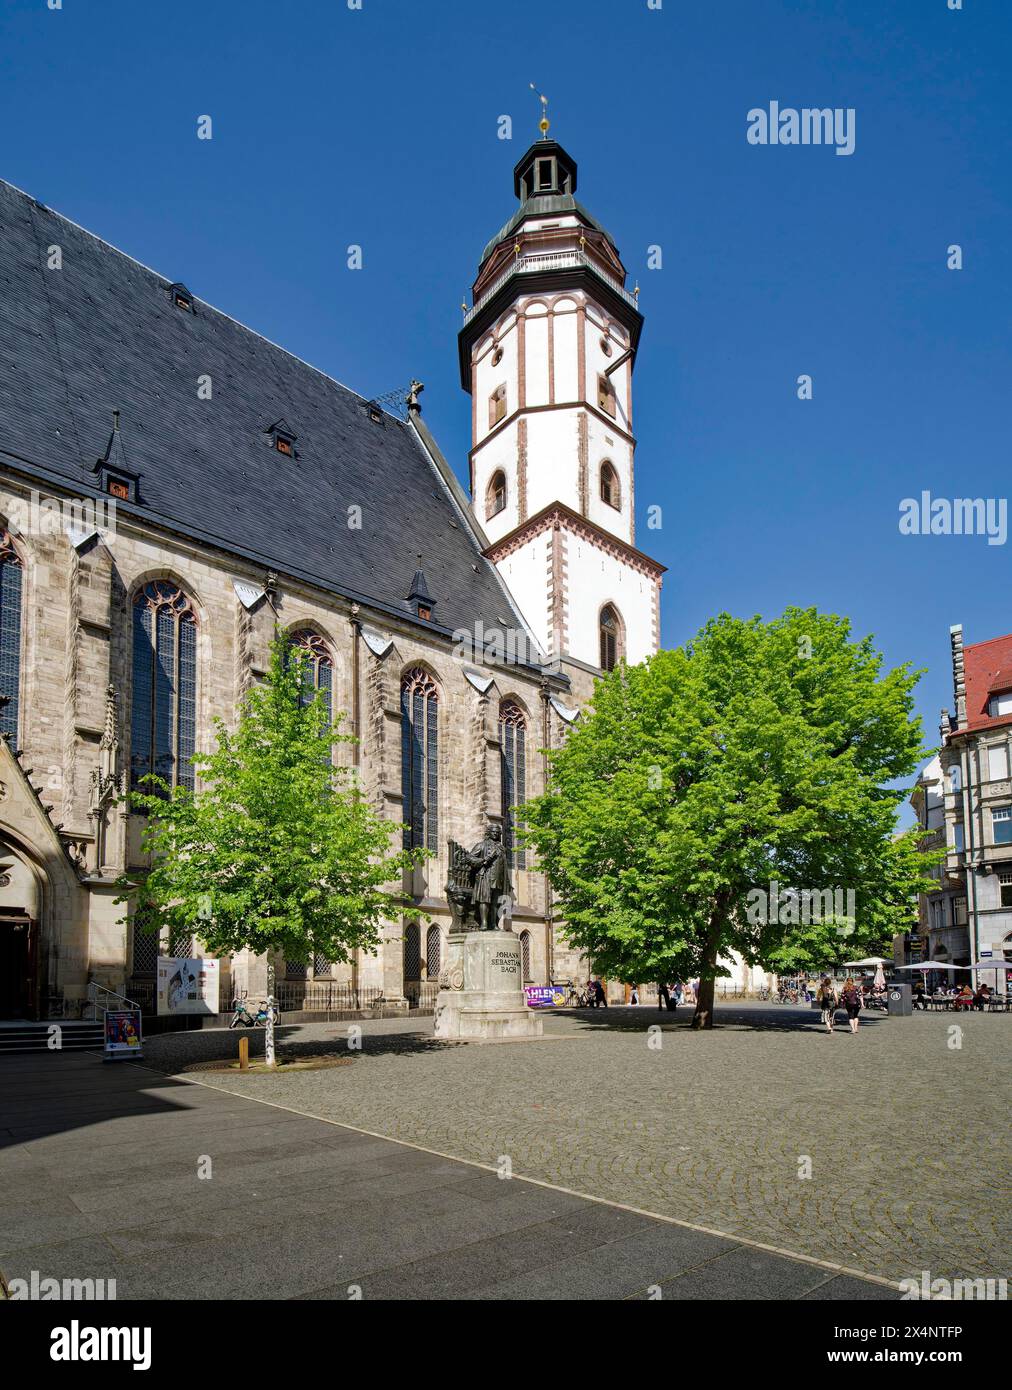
(242, 1018)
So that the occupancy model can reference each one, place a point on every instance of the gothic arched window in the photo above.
(433, 945)
(525, 956)
(163, 716)
(412, 952)
(420, 759)
(11, 594)
(495, 495)
(610, 630)
(513, 751)
(610, 491)
(317, 668)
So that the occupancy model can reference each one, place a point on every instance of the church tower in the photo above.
(547, 353)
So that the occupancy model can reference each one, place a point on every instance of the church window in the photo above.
(412, 952)
(606, 346)
(495, 498)
(610, 630)
(163, 716)
(283, 444)
(420, 760)
(317, 669)
(606, 395)
(11, 592)
(497, 405)
(118, 487)
(610, 492)
(496, 355)
(513, 753)
(525, 956)
(433, 946)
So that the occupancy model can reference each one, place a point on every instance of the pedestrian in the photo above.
(678, 993)
(600, 998)
(828, 1000)
(920, 1002)
(850, 997)
(634, 996)
(663, 996)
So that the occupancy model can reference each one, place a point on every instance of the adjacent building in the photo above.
(963, 799)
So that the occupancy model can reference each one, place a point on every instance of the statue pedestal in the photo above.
(482, 996)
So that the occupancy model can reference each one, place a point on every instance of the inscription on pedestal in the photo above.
(504, 969)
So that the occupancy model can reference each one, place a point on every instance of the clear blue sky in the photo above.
(379, 127)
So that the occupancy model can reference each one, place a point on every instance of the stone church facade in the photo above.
(173, 488)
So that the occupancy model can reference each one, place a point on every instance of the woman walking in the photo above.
(828, 1000)
(851, 999)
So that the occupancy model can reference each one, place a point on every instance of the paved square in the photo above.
(907, 1133)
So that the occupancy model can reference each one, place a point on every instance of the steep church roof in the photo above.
(104, 334)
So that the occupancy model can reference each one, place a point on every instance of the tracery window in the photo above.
(420, 759)
(11, 597)
(513, 752)
(164, 699)
(317, 668)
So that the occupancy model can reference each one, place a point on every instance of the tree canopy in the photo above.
(275, 850)
(757, 754)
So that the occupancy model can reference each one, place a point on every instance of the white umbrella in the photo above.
(933, 965)
(871, 960)
(992, 963)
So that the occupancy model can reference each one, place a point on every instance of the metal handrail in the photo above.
(547, 260)
(94, 990)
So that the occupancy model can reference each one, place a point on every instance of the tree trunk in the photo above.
(269, 1055)
(703, 1017)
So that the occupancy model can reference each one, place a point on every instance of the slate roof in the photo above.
(103, 333)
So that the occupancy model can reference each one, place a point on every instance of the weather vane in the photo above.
(544, 123)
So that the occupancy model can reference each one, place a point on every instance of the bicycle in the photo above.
(242, 1018)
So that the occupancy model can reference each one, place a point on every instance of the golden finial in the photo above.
(463, 306)
(516, 247)
(636, 291)
(544, 123)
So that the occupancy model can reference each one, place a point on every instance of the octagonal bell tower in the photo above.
(547, 353)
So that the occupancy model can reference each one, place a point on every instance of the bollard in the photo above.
(244, 1054)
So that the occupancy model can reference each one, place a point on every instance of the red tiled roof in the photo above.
(988, 668)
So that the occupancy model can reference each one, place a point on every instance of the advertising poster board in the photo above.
(187, 986)
(122, 1036)
(544, 996)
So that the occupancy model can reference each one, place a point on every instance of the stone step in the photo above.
(34, 1037)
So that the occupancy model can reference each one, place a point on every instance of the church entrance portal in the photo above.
(17, 965)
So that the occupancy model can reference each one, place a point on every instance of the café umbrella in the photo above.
(934, 965)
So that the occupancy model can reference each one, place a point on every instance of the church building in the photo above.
(174, 487)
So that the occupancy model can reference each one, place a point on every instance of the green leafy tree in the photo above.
(757, 753)
(276, 850)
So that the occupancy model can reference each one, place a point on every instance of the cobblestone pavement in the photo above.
(907, 1133)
